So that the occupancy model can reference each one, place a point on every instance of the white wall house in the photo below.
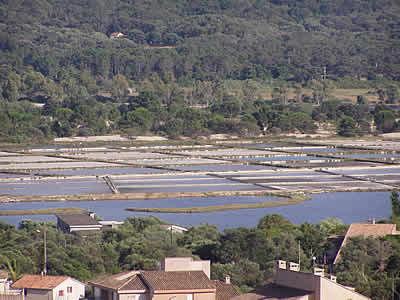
(38, 287)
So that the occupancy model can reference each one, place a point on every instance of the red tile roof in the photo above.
(156, 280)
(177, 280)
(78, 220)
(225, 291)
(123, 281)
(366, 230)
(39, 282)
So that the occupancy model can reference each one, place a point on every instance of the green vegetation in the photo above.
(295, 199)
(239, 67)
(43, 211)
(247, 254)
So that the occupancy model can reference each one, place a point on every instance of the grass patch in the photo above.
(44, 211)
(293, 199)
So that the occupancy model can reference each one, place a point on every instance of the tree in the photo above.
(274, 224)
(141, 118)
(33, 82)
(311, 240)
(361, 265)
(12, 87)
(120, 87)
(304, 122)
(385, 121)
(392, 92)
(229, 107)
(347, 127)
(332, 226)
(394, 198)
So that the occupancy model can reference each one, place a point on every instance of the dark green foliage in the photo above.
(59, 53)
(362, 265)
(246, 254)
(385, 121)
(394, 198)
(347, 127)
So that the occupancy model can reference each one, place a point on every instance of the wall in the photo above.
(32, 294)
(185, 264)
(85, 227)
(333, 291)
(204, 296)
(78, 290)
(133, 297)
(185, 296)
(323, 288)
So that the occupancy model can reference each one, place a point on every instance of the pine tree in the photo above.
(394, 197)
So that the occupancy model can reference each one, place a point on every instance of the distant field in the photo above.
(44, 211)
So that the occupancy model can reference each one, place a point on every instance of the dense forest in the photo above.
(247, 254)
(194, 67)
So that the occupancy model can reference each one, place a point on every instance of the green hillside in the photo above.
(59, 53)
(214, 39)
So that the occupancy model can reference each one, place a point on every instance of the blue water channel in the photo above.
(350, 207)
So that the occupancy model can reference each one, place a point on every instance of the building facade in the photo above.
(38, 287)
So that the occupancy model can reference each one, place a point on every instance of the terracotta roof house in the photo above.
(154, 285)
(366, 230)
(50, 287)
(78, 223)
(180, 278)
(117, 35)
(291, 284)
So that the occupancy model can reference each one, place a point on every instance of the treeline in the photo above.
(31, 109)
(242, 39)
(220, 56)
(247, 254)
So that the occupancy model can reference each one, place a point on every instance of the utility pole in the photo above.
(45, 251)
(299, 255)
(171, 236)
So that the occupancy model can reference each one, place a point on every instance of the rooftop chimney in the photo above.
(318, 271)
(291, 266)
(281, 264)
(332, 277)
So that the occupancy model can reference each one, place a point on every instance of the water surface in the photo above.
(347, 206)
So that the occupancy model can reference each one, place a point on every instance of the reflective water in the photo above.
(370, 155)
(283, 158)
(223, 168)
(102, 172)
(349, 207)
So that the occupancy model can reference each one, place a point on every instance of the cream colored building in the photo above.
(38, 287)
(180, 279)
(154, 285)
(185, 264)
(292, 284)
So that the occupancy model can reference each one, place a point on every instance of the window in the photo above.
(69, 289)
(189, 297)
(60, 293)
